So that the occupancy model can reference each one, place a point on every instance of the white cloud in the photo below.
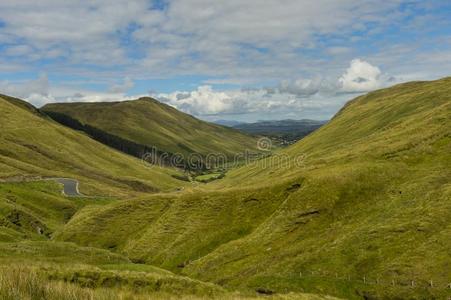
(83, 32)
(318, 96)
(250, 39)
(307, 87)
(201, 101)
(289, 97)
(215, 38)
(338, 50)
(205, 101)
(39, 100)
(361, 76)
(123, 87)
(65, 94)
(18, 50)
(24, 89)
(39, 92)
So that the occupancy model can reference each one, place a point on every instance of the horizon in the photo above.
(281, 60)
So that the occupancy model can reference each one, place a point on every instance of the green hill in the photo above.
(32, 145)
(358, 209)
(150, 123)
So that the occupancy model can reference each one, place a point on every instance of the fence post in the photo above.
(431, 284)
(412, 283)
(364, 279)
(393, 282)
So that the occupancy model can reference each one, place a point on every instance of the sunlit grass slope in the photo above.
(149, 122)
(34, 266)
(398, 124)
(33, 145)
(36, 210)
(366, 196)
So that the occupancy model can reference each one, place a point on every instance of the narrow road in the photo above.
(70, 186)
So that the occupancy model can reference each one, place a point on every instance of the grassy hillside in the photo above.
(30, 214)
(35, 266)
(33, 145)
(360, 209)
(390, 125)
(148, 122)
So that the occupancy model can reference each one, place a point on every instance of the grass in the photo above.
(50, 281)
(148, 122)
(371, 198)
(155, 230)
(19, 282)
(36, 210)
(34, 266)
(209, 177)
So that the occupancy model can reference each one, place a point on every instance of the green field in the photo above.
(209, 177)
(359, 209)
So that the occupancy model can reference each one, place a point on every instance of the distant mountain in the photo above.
(132, 126)
(229, 123)
(285, 131)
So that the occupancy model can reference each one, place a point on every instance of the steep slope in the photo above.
(380, 126)
(365, 199)
(32, 145)
(153, 124)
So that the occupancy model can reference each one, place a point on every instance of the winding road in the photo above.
(70, 186)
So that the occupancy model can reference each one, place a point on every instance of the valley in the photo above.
(358, 209)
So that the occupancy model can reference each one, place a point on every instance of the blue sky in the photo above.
(242, 60)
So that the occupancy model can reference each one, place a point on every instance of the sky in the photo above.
(224, 59)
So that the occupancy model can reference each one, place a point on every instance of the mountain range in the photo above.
(285, 132)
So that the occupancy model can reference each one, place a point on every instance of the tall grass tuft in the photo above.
(24, 283)
(17, 283)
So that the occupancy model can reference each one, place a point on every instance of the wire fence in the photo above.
(382, 280)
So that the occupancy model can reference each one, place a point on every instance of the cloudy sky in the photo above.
(234, 59)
